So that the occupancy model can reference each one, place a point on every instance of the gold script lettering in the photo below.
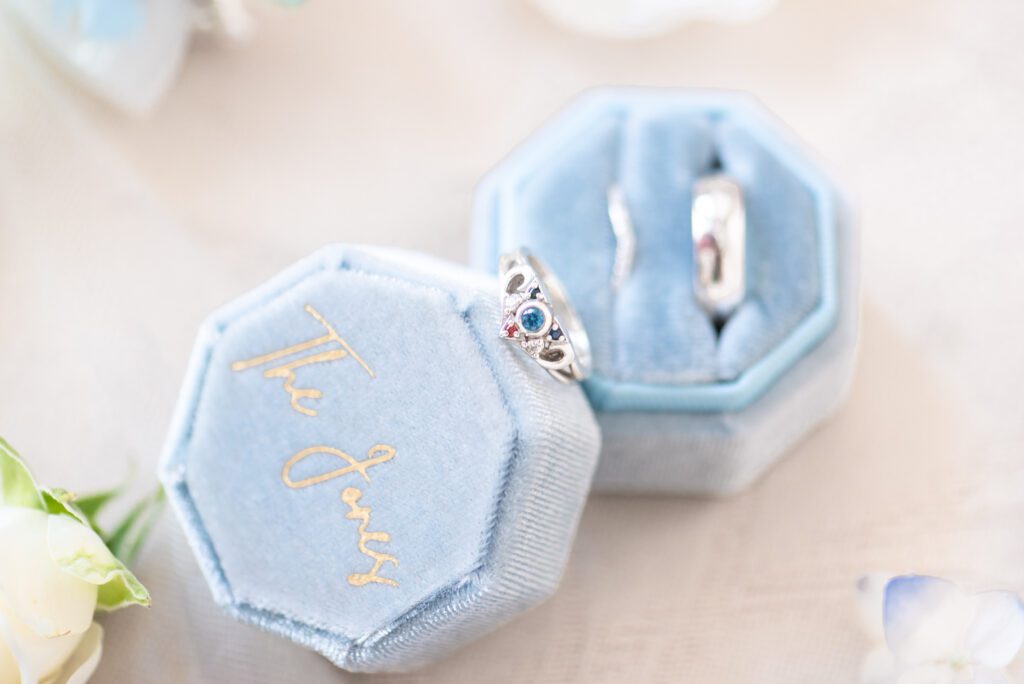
(286, 371)
(379, 453)
(351, 496)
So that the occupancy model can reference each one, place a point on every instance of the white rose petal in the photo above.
(8, 664)
(75, 548)
(48, 600)
(83, 662)
(35, 656)
(54, 574)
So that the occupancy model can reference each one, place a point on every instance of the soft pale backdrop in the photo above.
(371, 122)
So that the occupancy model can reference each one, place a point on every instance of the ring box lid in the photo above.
(363, 466)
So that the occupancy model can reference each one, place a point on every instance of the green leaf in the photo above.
(127, 538)
(62, 502)
(17, 488)
(92, 504)
(123, 589)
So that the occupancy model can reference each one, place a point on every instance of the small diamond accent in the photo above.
(533, 346)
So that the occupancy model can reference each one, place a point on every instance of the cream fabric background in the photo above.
(371, 121)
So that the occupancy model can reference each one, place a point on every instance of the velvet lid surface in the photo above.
(363, 466)
(654, 348)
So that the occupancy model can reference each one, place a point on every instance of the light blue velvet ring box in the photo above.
(684, 408)
(362, 465)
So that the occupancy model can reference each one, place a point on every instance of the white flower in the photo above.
(640, 18)
(936, 634)
(56, 572)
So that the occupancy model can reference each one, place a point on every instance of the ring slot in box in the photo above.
(363, 466)
(685, 406)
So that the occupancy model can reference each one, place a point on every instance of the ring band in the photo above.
(718, 225)
(537, 316)
(625, 236)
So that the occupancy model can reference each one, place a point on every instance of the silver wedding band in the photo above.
(718, 225)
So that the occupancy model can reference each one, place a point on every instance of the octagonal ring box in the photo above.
(362, 465)
(684, 407)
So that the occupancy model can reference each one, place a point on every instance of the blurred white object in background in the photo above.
(626, 19)
(230, 18)
(127, 52)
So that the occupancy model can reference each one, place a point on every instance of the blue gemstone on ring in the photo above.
(533, 319)
(556, 334)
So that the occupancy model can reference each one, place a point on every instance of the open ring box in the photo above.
(684, 408)
(362, 465)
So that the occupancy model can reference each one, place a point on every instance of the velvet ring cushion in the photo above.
(687, 401)
(363, 466)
